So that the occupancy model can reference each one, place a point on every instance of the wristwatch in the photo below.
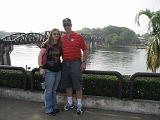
(84, 61)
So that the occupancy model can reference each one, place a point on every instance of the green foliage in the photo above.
(153, 51)
(113, 35)
(146, 36)
(95, 85)
(38, 79)
(100, 85)
(127, 36)
(126, 84)
(147, 88)
(11, 79)
(136, 41)
(146, 12)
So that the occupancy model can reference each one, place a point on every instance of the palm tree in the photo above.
(153, 50)
(153, 53)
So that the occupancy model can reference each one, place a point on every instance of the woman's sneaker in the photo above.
(79, 109)
(51, 113)
(56, 110)
(67, 107)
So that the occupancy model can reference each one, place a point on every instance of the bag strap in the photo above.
(46, 50)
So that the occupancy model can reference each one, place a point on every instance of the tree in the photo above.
(135, 41)
(153, 54)
(109, 38)
(127, 35)
(153, 51)
(146, 36)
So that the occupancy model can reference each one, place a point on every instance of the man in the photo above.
(72, 65)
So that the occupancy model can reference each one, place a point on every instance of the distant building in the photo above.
(142, 39)
(146, 43)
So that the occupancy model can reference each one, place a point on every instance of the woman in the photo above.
(51, 70)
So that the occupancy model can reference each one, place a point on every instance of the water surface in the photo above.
(127, 61)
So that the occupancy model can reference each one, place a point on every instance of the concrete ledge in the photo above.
(107, 103)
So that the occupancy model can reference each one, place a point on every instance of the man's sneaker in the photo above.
(79, 110)
(67, 107)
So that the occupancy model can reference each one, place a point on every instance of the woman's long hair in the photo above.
(50, 40)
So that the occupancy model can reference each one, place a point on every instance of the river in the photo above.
(126, 61)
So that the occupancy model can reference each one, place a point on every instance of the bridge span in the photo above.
(6, 43)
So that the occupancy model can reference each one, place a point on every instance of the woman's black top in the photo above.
(53, 58)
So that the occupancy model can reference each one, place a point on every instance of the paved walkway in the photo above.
(12, 109)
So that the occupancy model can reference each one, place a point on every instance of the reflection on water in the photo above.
(23, 55)
(124, 60)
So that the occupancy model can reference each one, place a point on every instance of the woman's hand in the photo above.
(41, 71)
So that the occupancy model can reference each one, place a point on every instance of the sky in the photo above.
(43, 15)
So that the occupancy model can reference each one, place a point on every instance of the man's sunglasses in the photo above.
(65, 25)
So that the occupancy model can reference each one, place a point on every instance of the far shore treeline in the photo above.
(113, 35)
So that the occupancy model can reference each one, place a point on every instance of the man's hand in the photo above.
(42, 44)
(83, 66)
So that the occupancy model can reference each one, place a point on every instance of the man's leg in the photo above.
(69, 95)
(69, 92)
(79, 94)
(79, 97)
(79, 101)
(66, 84)
(77, 80)
(69, 99)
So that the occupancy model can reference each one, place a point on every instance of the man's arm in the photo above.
(85, 55)
(45, 42)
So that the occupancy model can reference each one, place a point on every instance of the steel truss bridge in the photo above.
(6, 43)
(37, 38)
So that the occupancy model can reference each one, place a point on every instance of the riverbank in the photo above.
(119, 46)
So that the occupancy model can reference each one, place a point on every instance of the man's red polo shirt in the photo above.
(72, 46)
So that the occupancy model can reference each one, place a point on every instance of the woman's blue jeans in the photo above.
(51, 83)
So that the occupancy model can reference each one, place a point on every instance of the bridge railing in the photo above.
(24, 79)
(120, 78)
(139, 74)
(32, 78)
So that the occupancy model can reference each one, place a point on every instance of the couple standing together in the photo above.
(69, 71)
